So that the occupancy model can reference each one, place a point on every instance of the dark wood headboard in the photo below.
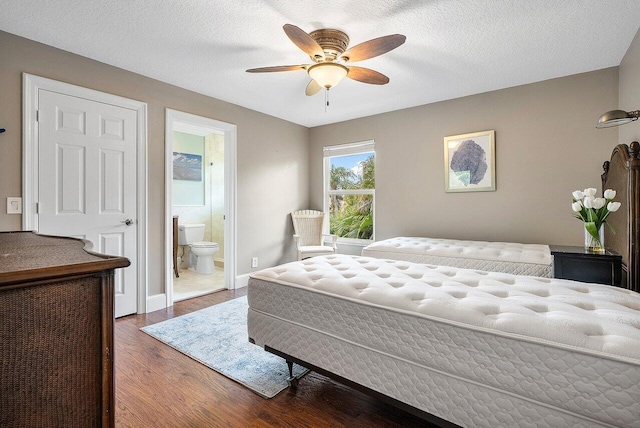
(622, 174)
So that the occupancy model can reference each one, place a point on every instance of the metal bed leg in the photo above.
(292, 381)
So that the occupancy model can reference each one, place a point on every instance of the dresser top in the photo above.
(27, 256)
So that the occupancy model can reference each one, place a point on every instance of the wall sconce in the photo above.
(617, 117)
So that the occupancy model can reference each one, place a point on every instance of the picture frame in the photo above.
(470, 162)
(187, 166)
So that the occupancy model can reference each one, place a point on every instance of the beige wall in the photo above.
(272, 153)
(630, 90)
(546, 147)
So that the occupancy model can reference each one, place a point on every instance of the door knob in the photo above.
(128, 221)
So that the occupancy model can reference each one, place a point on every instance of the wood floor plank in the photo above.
(157, 386)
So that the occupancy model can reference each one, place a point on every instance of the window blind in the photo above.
(349, 149)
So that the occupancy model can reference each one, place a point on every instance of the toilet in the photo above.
(200, 252)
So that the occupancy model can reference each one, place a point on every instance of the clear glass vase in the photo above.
(592, 244)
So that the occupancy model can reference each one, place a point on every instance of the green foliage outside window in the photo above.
(351, 216)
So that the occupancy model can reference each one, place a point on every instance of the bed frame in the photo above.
(622, 174)
(293, 384)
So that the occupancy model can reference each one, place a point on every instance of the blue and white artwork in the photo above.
(470, 162)
(187, 166)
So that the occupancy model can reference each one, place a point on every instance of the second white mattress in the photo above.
(508, 257)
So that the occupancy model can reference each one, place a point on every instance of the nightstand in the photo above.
(580, 265)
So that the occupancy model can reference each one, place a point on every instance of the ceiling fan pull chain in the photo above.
(326, 99)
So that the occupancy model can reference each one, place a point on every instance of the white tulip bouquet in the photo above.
(594, 211)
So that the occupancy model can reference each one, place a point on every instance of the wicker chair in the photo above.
(307, 226)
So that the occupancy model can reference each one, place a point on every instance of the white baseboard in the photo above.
(156, 302)
(242, 280)
(159, 301)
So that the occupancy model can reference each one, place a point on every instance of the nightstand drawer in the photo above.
(579, 265)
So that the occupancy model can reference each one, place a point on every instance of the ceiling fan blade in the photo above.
(276, 68)
(373, 48)
(304, 41)
(312, 88)
(367, 75)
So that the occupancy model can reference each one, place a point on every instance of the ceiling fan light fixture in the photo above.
(328, 74)
(617, 117)
(328, 51)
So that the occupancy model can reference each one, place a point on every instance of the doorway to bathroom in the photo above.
(200, 192)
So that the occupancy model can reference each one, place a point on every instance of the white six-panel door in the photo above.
(87, 180)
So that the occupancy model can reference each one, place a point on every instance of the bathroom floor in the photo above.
(191, 284)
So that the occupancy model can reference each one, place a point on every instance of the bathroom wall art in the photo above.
(187, 166)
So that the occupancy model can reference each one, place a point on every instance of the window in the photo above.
(349, 190)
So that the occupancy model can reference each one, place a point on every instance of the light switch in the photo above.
(14, 205)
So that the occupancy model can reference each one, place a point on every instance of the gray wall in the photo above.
(546, 147)
(272, 153)
(630, 90)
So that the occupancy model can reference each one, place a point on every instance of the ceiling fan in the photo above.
(327, 48)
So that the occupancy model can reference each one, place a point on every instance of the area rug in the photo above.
(217, 337)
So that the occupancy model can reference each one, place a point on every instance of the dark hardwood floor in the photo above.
(157, 386)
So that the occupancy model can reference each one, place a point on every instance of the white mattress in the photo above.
(474, 348)
(508, 257)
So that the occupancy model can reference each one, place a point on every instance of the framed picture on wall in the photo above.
(470, 162)
(187, 166)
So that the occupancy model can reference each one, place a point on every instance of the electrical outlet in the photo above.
(14, 205)
(254, 262)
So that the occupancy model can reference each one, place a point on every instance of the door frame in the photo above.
(31, 84)
(230, 178)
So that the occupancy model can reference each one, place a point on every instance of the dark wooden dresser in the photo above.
(56, 332)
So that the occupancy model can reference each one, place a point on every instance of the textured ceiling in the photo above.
(454, 47)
